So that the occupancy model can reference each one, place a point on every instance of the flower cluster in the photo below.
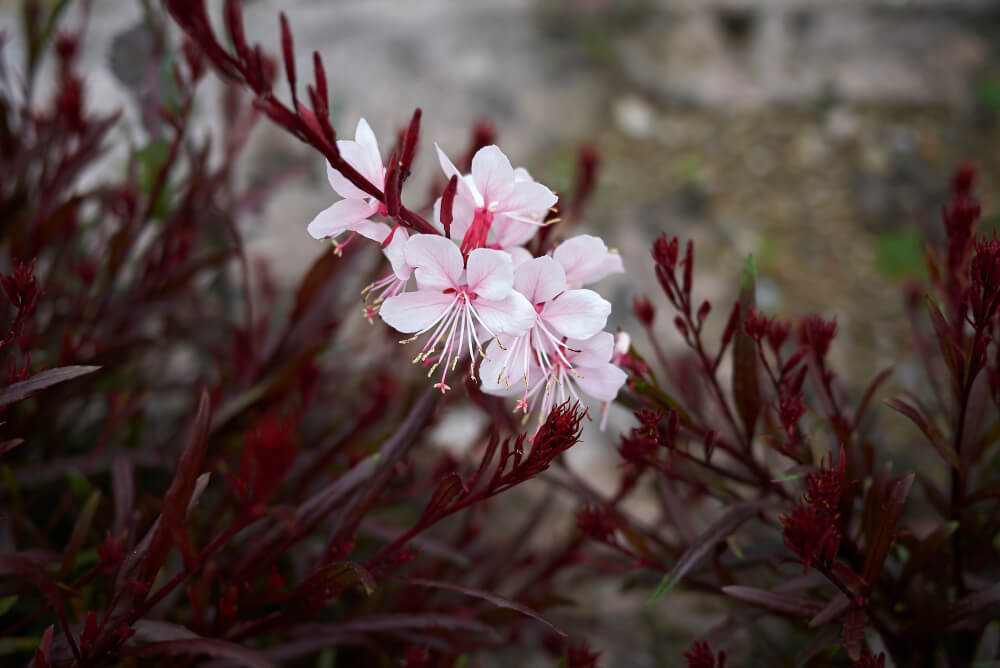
(480, 293)
(813, 530)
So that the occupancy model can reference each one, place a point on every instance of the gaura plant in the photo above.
(802, 518)
(188, 473)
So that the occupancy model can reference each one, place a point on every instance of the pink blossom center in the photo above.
(475, 236)
(462, 291)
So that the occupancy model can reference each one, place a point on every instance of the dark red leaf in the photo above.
(81, 528)
(722, 529)
(837, 606)
(156, 630)
(853, 633)
(788, 604)
(930, 431)
(178, 497)
(391, 453)
(490, 597)
(24, 567)
(7, 446)
(123, 488)
(969, 606)
(984, 493)
(42, 380)
(950, 350)
(869, 393)
(215, 647)
(746, 386)
(883, 529)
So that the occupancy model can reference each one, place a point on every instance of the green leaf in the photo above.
(899, 253)
(6, 603)
(151, 159)
(327, 658)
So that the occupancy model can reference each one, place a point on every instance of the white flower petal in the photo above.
(578, 314)
(586, 259)
(370, 160)
(509, 231)
(372, 230)
(494, 377)
(592, 352)
(540, 279)
(341, 185)
(396, 254)
(449, 169)
(490, 273)
(513, 315)
(601, 382)
(492, 173)
(529, 198)
(518, 255)
(414, 311)
(436, 261)
(340, 217)
(462, 213)
(361, 158)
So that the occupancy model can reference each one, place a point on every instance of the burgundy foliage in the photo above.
(796, 470)
(199, 467)
(188, 471)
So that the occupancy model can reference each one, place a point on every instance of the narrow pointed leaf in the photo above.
(930, 431)
(490, 597)
(853, 633)
(952, 354)
(214, 647)
(837, 606)
(715, 534)
(969, 606)
(746, 386)
(40, 381)
(80, 530)
(7, 446)
(178, 497)
(883, 529)
(882, 376)
(788, 604)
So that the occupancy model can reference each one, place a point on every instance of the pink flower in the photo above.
(395, 282)
(496, 205)
(352, 213)
(586, 260)
(455, 296)
(579, 365)
(561, 314)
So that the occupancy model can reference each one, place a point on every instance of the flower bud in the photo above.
(644, 311)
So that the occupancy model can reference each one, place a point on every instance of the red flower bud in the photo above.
(644, 311)
(730, 329)
(447, 204)
(410, 142)
(681, 326)
(704, 310)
